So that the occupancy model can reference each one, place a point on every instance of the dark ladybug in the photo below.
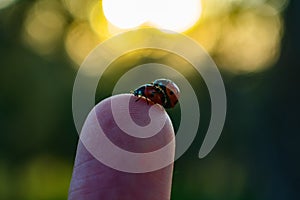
(162, 91)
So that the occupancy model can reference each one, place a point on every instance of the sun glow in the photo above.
(175, 15)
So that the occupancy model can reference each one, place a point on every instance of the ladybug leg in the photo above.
(138, 99)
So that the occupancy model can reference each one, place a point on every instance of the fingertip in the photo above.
(139, 113)
(92, 179)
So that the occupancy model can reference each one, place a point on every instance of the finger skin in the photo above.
(93, 180)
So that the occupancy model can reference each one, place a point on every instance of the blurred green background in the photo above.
(255, 44)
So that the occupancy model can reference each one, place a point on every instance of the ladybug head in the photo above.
(139, 91)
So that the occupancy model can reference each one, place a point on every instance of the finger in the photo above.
(93, 180)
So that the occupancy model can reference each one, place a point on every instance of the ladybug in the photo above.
(170, 89)
(162, 91)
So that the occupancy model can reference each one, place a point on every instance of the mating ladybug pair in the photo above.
(162, 91)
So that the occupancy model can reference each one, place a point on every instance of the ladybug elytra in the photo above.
(162, 91)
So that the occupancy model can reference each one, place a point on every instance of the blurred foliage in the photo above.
(43, 42)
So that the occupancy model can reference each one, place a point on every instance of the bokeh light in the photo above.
(175, 15)
(242, 36)
(79, 9)
(80, 40)
(98, 22)
(237, 33)
(44, 26)
(6, 3)
(127, 14)
(250, 40)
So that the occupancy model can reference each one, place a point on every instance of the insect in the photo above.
(162, 91)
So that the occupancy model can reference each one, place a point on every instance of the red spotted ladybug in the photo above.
(162, 91)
